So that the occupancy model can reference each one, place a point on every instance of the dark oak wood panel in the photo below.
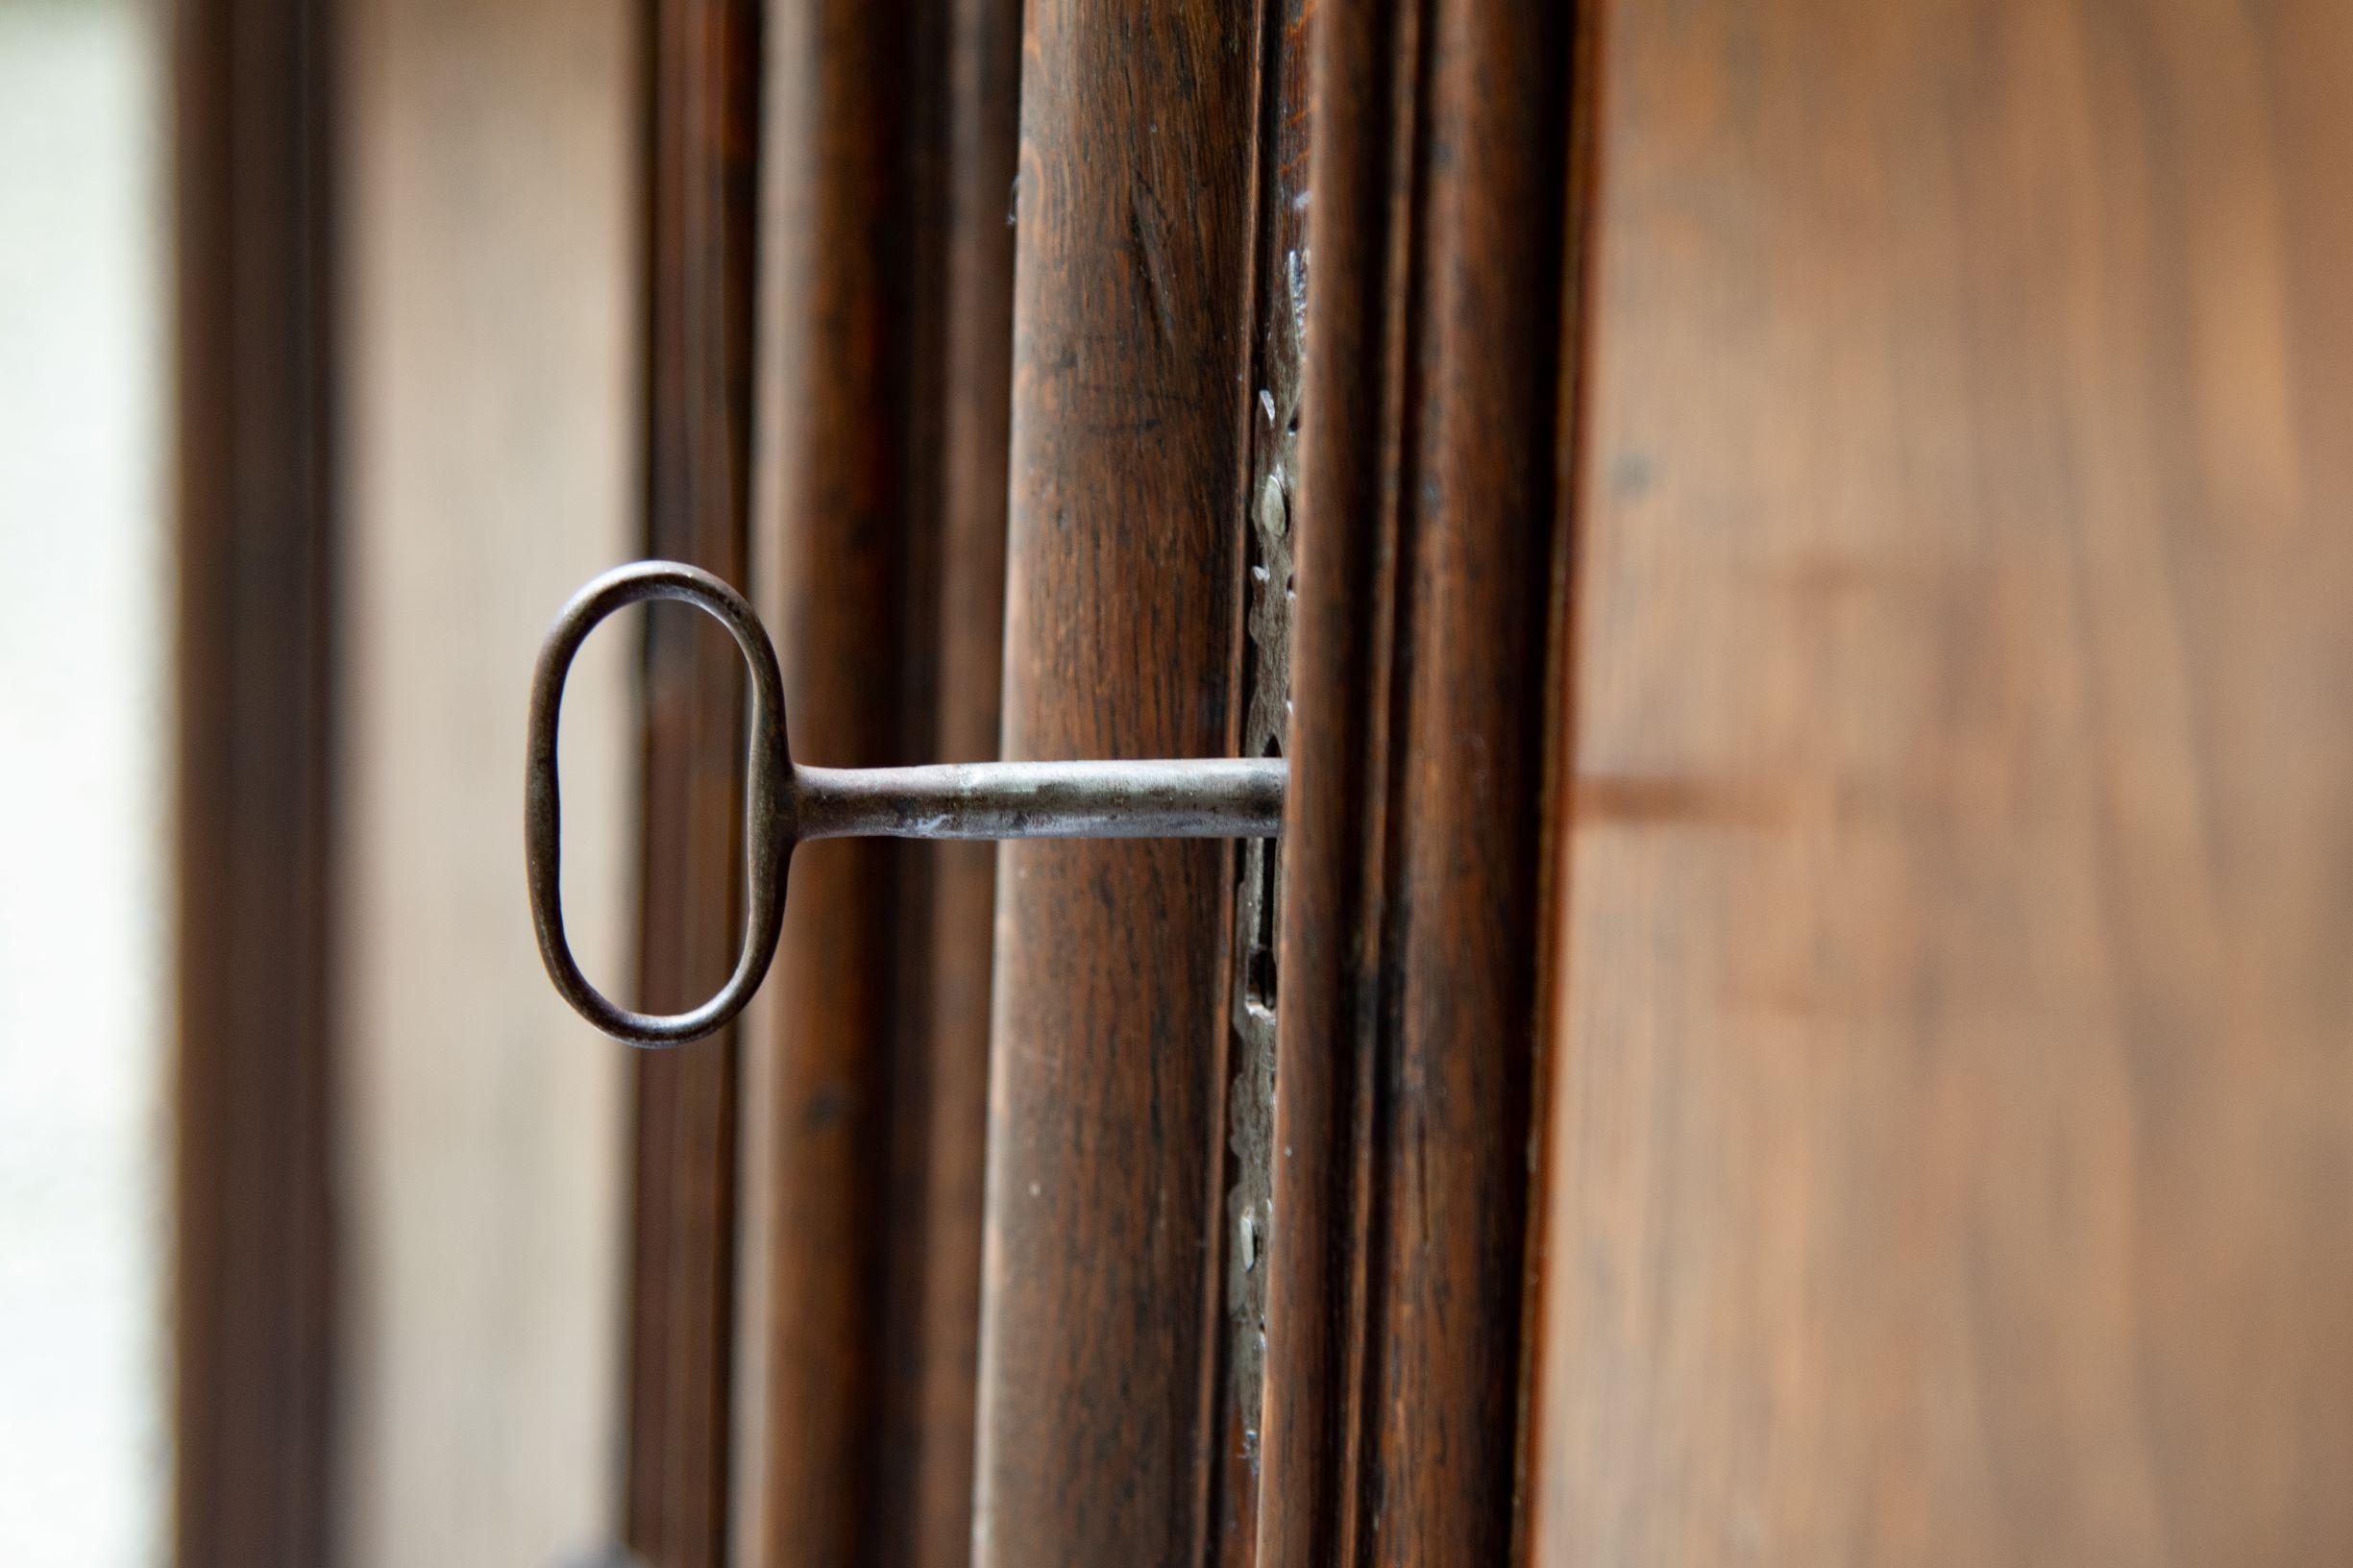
(701, 194)
(253, 1297)
(889, 140)
(1951, 1126)
(1429, 555)
(845, 533)
(982, 111)
(1098, 1431)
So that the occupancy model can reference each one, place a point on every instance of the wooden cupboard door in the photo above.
(1810, 1023)
(1950, 1094)
(1171, 1365)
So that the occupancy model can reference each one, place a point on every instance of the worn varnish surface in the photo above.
(253, 1296)
(1096, 1435)
(1955, 1100)
(1427, 572)
(701, 194)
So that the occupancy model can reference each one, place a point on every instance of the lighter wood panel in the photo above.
(1953, 1106)
(492, 321)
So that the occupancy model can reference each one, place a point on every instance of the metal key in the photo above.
(785, 803)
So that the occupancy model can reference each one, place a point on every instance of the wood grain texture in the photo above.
(888, 137)
(1427, 595)
(838, 530)
(701, 108)
(254, 1295)
(979, 139)
(1954, 1101)
(1096, 1425)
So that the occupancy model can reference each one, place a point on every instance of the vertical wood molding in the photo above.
(253, 1302)
(1427, 570)
(842, 532)
(979, 143)
(702, 193)
(1096, 1426)
(880, 532)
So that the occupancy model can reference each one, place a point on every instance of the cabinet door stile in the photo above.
(1097, 1406)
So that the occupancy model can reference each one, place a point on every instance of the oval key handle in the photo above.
(768, 799)
(785, 804)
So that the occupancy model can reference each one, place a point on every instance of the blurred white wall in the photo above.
(85, 736)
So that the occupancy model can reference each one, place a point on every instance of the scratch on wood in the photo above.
(1148, 232)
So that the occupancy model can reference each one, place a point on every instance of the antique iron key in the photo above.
(785, 803)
